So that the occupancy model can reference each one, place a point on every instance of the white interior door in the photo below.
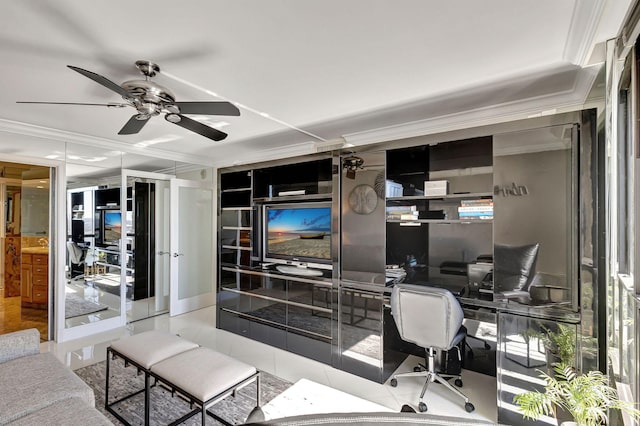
(192, 246)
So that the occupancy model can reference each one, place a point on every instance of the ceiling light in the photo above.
(173, 118)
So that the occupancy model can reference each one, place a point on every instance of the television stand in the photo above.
(295, 270)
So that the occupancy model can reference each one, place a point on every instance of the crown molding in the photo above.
(571, 99)
(277, 153)
(20, 128)
(582, 30)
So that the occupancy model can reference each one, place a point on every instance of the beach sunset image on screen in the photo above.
(300, 232)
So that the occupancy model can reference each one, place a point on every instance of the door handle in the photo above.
(178, 254)
(160, 253)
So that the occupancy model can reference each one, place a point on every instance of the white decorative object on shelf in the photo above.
(436, 187)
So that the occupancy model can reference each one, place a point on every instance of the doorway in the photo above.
(147, 238)
(24, 248)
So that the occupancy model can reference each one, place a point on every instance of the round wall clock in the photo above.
(363, 199)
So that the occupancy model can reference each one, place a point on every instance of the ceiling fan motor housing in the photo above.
(148, 97)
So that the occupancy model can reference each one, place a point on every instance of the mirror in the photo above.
(147, 237)
(92, 289)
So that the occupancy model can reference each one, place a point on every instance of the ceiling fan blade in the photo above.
(208, 108)
(134, 125)
(102, 80)
(110, 105)
(195, 126)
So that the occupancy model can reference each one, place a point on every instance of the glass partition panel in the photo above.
(527, 347)
(534, 211)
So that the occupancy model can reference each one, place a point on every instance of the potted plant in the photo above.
(586, 397)
(560, 344)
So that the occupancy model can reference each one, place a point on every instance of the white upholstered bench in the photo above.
(202, 376)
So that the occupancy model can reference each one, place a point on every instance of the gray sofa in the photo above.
(38, 389)
(371, 419)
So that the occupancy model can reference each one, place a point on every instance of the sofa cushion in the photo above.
(30, 383)
(70, 412)
(19, 343)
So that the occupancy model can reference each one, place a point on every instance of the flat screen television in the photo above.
(111, 226)
(298, 234)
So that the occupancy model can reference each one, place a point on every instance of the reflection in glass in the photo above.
(93, 279)
(534, 208)
(24, 241)
(147, 239)
(528, 345)
(361, 333)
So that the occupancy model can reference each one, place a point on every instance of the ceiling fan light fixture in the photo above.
(173, 118)
(173, 109)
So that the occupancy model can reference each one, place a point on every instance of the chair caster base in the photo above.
(393, 383)
(469, 407)
(458, 383)
(422, 407)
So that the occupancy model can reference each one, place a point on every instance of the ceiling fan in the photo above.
(151, 99)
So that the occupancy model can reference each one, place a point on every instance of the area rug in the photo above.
(75, 306)
(309, 397)
(164, 407)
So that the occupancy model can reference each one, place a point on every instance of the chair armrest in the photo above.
(18, 344)
(549, 293)
(521, 296)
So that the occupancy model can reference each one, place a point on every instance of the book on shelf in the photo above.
(479, 202)
(475, 208)
(407, 216)
(402, 208)
(478, 218)
(476, 213)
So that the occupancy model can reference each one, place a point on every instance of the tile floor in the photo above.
(199, 326)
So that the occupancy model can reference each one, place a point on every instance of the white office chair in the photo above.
(75, 257)
(431, 318)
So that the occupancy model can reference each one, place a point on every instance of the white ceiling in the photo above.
(330, 68)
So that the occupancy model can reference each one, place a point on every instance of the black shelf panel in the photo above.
(449, 197)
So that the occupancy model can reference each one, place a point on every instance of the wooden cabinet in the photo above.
(35, 278)
(26, 280)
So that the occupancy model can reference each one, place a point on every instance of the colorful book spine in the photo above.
(475, 208)
(401, 208)
(473, 214)
(479, 202)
